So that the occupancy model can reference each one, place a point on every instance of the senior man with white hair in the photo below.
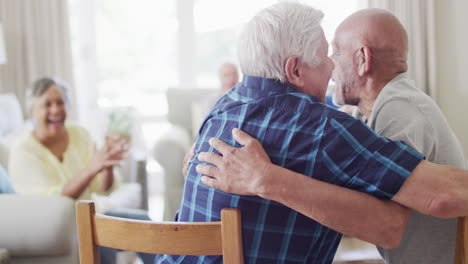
(283, 56)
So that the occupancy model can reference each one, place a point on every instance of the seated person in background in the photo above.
(228, 77)
(58, 158)
(5, 184)
(61, 158)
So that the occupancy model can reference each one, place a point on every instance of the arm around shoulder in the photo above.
(380, 222)
(248, 171)
(436, 190)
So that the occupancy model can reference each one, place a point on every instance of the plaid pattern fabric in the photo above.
(299, 133)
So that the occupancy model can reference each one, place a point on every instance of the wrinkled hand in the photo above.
(110, 154)
(188, 156)
(242, 171)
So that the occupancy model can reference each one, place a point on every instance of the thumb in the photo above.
(241, 137)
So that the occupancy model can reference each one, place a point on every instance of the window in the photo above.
(127, 53)
(217, 24)
(335, 12)
(135, 53)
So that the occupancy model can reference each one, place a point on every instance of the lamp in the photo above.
(3, 57)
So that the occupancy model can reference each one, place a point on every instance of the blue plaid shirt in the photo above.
(302, 134)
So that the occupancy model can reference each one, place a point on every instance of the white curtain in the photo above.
(37, 41)
(418, 17)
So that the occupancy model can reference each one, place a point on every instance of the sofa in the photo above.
(42, 229)
(38, 229)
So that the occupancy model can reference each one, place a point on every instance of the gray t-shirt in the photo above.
(403, 112)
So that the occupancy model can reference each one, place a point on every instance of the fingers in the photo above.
(221, 146)
(115, 138)
(211, 182)
(117, 149)
(111, 163)
(210, 157)
(207, 170)
(241, 137)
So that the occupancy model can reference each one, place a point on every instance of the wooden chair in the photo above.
(174, 238)
(461, 252)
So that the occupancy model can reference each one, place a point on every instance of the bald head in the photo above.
(382, 32)
(369, 50)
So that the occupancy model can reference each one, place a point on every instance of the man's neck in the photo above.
(370, 92)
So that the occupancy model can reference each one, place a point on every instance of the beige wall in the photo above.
(452, 59)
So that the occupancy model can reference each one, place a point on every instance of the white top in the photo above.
(403, 112)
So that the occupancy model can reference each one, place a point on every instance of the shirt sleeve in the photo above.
(359, 159)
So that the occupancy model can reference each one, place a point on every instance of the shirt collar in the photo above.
(400, 76)
(256, 87)
(266, 84)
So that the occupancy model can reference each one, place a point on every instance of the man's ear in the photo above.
(364, 60)
(293, 71)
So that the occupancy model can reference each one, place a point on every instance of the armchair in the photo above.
(169, 150)
(38, 229)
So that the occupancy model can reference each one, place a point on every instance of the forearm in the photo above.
(436, 190)
(107, 179)
(344, 210)
(79, 183)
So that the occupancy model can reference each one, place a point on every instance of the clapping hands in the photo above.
(113, 151)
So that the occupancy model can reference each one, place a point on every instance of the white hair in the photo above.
(276, 33)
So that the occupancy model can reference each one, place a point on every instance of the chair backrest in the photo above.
(174, 238)
(461, 252)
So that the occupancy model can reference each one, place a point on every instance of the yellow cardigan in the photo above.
(35, 170)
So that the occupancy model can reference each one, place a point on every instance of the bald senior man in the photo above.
(369, 52)
(374, 78)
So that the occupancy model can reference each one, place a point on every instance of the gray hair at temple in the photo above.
(40, 86)
(276, 33)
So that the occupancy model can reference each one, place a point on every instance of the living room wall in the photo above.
(452, 59)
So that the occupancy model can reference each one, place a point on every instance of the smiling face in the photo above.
(49, 112)
(345, 75)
